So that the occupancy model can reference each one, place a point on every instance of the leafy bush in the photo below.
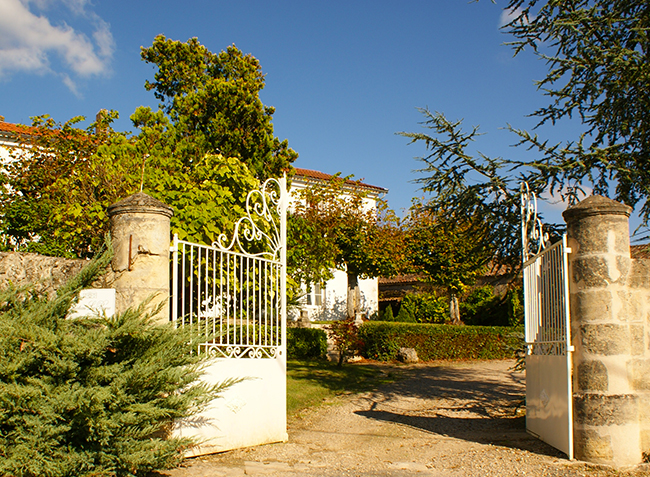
(346, 338)
(425, 308)
(306, 343)
(482, 307)
(381, 341)
(91, 396)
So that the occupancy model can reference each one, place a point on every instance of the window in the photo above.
(316, 296)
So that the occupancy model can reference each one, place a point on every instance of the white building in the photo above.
(328, 301)
(10, 138)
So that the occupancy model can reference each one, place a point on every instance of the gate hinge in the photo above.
(567, 250)
(571, 348)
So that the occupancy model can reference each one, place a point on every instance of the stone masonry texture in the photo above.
(605, 410)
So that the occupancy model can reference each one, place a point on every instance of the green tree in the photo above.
(597, 53)
(201, 155)
(451, 252)
(212, 100)
(59, 183)
(598, 56)
(63, 178)
(333, 228)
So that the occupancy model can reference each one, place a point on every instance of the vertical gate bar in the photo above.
(284, 204)
(259, 300)
(175, 281)
(215, 301)
(191, 300)
(241, 299)
(266, 303)
(228, 297)
(221, 299)
(206, 294)
(248, 293)
(567, 333)
(199, 291)
(183, 279)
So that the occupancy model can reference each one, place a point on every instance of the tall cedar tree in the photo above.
(598, 71)
(91, 396)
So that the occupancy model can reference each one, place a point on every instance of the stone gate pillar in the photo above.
(140, 232)
(607, 331)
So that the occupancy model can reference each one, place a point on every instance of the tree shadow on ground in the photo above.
(481, 404)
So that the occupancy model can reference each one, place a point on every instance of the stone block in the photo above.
(628, 305)
(644, 409)
(645, 445)
(639, 276)
(592, 447)
(592, 376)
(605, 410)
(605, 339)
(591, 305)
(599, 271)
(637, 343)
(638, 372)
(599, 224)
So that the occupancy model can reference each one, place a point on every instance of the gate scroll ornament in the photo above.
(533, 237)
(265, 204)
(234, 291)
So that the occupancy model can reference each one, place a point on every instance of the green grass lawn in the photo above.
(311, 383)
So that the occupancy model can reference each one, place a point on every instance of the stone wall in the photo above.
(610, 321)
(47, 274)
(139, 270)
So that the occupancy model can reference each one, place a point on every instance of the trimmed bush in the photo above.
(383, 340)
(91, 396)
(306, 343)
(388, 314)
(405, 314)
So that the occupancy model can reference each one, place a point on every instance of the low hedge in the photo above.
(306, 343)
(382, 341)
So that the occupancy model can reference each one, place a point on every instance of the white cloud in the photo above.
(28, 41)
(508, 15)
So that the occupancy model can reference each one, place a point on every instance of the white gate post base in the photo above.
(249, 413)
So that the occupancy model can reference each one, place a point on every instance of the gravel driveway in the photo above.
(440, 419)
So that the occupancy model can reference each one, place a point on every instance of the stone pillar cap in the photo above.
(140, 203)
(596, 205)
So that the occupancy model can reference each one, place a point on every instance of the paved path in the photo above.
(441, 420)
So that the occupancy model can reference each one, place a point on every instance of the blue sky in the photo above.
(344, 76)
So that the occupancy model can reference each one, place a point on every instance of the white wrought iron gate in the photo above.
(234, 293)
(549, 394)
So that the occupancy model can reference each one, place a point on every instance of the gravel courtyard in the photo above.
(439, 419)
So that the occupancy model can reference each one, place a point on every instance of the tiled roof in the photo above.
(402, 279)
(317, 175)
(15, 128)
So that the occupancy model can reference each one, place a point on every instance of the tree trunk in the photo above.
(353, 303)
(454, 312)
